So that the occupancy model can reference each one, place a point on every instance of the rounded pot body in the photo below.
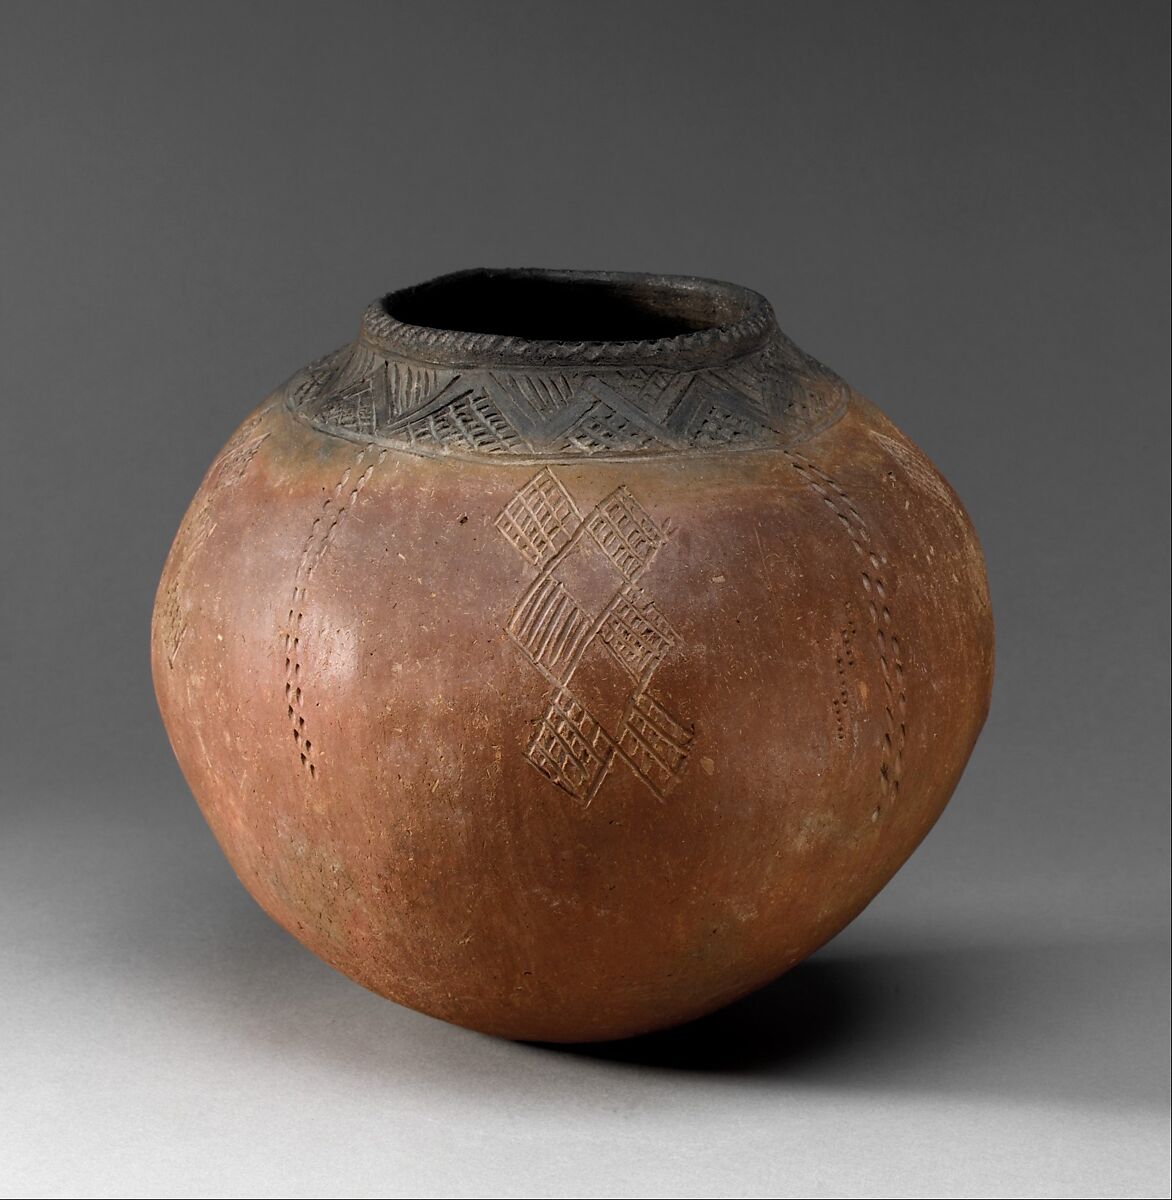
(570, 685)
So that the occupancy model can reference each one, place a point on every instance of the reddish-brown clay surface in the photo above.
(778, 666)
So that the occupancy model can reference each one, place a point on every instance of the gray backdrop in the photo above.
(963, 208)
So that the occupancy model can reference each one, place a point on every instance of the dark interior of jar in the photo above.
(565, 308)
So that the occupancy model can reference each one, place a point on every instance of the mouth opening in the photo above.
(567, 307)
(510, 315)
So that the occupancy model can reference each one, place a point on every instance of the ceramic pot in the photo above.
(570, 654)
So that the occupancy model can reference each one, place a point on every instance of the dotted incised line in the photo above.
(844, 660)
(333, 510)
(887, 640)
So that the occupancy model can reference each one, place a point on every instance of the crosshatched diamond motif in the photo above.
(586, 593)
(539, 519)
(636, 632)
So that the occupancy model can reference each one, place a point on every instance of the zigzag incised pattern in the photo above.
(772, 397)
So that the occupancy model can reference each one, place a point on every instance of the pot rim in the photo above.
(695, 322)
